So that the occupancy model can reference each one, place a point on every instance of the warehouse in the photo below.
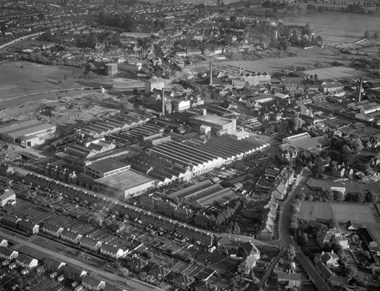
(106, 167)
(125, 184)
(27, 133)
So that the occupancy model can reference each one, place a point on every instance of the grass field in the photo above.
(340, 211)
(333, 73)
(338, 27)
(306, 59)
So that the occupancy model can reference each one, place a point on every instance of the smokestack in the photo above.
(210, 74)
(163, 101)
(360, 90)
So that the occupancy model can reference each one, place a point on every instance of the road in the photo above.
(129, 283)
(20, 39)
(285, 239)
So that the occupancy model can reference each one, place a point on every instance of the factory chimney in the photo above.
(210, 74)
(163, 101)
(360, 90)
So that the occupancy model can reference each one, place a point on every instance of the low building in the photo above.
(53, 265)
(28, 227)
(113, 251)
(7, 253)
(26, 262)
(52, 229)
(92, 283)
(71, 236)
(3, 242)
(90, 243)
(26, 133)
(8, 197)
(74, 273)
(10, 221)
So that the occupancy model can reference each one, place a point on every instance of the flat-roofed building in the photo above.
(217, 123)
(124, 184)
(106, 167)
(27, 133)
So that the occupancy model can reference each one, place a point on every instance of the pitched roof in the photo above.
(51, 227)
(89, 241)
(6, 251)
(25, 259)
(91, 281)
(53, 263)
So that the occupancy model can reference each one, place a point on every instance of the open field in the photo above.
(28, 81)
(333, 73)
(338, 27)
(306, 59)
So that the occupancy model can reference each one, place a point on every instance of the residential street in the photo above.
(129, 283)
(285, 239)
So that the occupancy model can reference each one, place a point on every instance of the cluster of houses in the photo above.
(65, 235)
(81, 277)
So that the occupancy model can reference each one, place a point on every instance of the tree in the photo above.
(318, 168)
(333, 223)
(366, 34)
(135, 91)
(236, 229)
(376, 35)
(370, 197)
(338, 249)
(338, 196)
(289, 253)
(328, 195)
(350, 271)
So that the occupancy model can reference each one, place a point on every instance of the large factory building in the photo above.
(27, 133)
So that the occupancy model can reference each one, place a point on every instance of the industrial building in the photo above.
(124, 184)
(106, 167)
(27, 133)
(217, 123)
(305, 141)
(154, 83)
(204, 194)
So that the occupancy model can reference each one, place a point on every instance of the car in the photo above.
(12, 266)
(25, 271)
(60, 278)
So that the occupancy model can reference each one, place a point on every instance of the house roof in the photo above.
(25, 259)
(53, 263)
(291, 276)
(27, 224)
(9, 218)
(91, 281)
(6, 251)
(89, 241)
(110, 249)
(7, 194)
(51, 227)
(70, 234)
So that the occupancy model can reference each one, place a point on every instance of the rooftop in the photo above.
(107, 165)
(19, 129)
(211, 118)
(124, 180)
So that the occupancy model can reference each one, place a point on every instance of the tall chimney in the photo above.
(360, 90)
(210, 74)
(163, 101)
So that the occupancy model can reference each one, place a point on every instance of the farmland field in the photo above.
(338, 27)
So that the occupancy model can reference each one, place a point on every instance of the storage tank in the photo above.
(111, 69)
